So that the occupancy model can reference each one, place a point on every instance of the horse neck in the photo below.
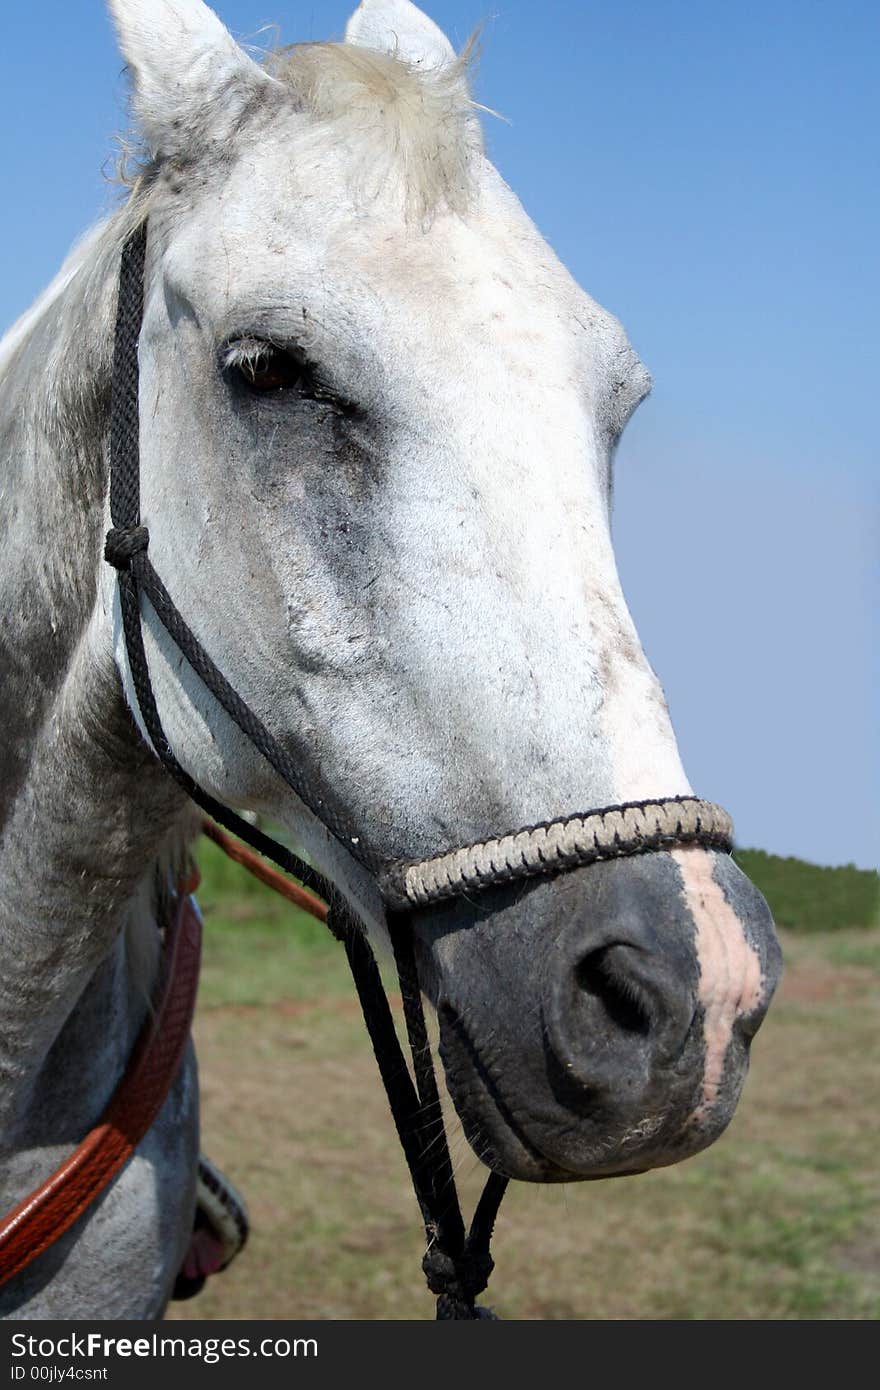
(54, 394)
(86, 813)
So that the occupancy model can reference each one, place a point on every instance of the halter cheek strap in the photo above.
(457, 1263)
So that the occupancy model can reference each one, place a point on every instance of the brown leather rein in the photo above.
(52, 1208)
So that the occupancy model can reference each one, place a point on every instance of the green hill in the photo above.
(806, 897)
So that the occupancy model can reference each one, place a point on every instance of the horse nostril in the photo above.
(601, 975)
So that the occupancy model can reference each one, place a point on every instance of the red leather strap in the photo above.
(278, 882)
(50, 1210)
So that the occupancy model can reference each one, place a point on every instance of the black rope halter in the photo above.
(457, 1263)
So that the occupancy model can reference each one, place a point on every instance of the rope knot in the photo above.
(456, 1282)
(122, 543)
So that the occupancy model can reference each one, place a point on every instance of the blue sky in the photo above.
(708, 172)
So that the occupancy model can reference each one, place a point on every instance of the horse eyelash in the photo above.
(245, 352)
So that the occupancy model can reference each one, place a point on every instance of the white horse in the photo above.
(378, 420)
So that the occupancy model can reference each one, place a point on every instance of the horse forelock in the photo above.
(394, 115)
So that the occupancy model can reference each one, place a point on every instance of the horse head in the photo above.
(377, 427)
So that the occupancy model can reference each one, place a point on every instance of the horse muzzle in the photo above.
(599, 1023)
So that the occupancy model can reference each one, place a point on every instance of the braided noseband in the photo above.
(634, 827)
(457, 1263)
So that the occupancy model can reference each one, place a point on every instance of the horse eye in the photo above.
(265, 368)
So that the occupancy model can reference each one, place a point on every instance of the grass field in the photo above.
(778, 1220)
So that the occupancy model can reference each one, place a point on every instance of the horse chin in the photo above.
(535, 1143)
(490, 1122)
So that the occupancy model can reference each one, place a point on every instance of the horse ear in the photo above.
(396, 26)
(191, 79)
